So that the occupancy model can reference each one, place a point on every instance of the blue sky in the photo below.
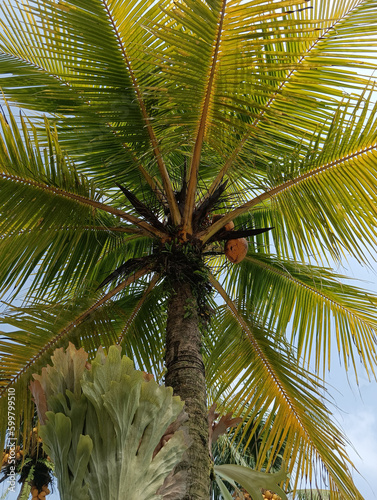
(358, 418)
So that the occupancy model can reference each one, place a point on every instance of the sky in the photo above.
(358, 419)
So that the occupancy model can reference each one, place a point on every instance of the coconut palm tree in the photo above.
(159, 135)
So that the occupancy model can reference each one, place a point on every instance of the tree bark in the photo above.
(185, 373)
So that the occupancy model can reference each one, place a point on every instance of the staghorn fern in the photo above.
(111, 430)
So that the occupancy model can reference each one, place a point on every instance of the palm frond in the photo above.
(267, 385)
(307, 301)
(46, 170)
(141, 335)
(305, 191)
(45, 344)
(83, 60)
(304, 74)
(205, 108)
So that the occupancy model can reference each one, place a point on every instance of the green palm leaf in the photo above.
(270, 384)
(308, 300)
(309, 210)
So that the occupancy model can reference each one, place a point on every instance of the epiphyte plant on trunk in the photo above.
(158, 118)
(105, 428)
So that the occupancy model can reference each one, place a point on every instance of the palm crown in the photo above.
(159, 116)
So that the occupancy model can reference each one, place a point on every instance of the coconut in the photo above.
(228, 227)
(236, 250)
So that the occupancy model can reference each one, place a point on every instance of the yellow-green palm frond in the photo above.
(312, 215)
(55, 229)
(308, 301)
(202, 75)
(87, 65)
(88, 74)
(217, 39)
(246, 371)
(339, 219)
(320, 69)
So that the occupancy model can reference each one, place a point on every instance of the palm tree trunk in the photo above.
(185, 373)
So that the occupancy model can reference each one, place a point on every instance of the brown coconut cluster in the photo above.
(36, 493)
(31, 458)
(6, 454)
(267, 494)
